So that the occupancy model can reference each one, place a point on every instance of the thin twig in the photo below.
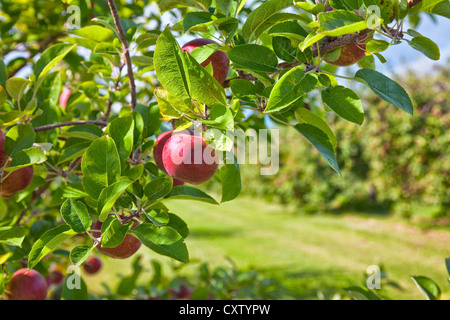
(126, 52)
(70, 123)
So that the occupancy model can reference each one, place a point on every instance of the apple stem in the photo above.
(126, 52)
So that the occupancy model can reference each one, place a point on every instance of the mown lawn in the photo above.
(307, 254)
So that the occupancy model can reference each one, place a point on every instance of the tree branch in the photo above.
(126, 52)
(70, 123)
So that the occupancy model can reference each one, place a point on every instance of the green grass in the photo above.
(308, 254)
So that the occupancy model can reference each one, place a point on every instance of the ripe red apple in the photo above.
(177, 182)
(159, 146)
(158, 149)
(26, 285)
(92, 265)
(189, 158)
(55, 277)
(219, 59)
(15, 181)
(129, 246)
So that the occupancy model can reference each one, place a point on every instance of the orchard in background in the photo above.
(86, 165)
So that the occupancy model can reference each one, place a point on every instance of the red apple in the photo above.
(159, 146)
(13, 182)
(177, 182)
(158, 149)
(26, 285)
(189, 158)
(219, 59)
(55, 277)
(351, 53)
(92, 265)
(129, 246)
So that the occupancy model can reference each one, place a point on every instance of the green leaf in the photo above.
(3, 96)
(221, 117)
(358, 293)
(170, 66)
(230, 177)
(192, 19)
(10, 118)
(20, 137)
(254, 57)
(16, 87)
(428, 287)
(48, 242)
(12, 236)
(376, 45)
(170, 106)
(203, 87)
(3, 75)
(386, 89)
(259, 17)
(283, 48)
(163, 240)
(426, 46)
(121, 130)
(76, 215)
(74, 288)
(151, 117)
(345, 103)
(109, 195)
(80, 253)
(158, 217)
(178, 224)
(158, 188)
(311, 8)
(320, 141)
(291, 87)
(100, 166)
(95, 33)
(244, 89)
(305, 116)
(26, 158)
(50, 58)
(113, 232)
(190, 193)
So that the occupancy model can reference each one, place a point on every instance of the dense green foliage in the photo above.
(390, 162)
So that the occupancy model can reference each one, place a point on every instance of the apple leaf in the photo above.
(320, 141)
(122, 130)
(259, 17)
(76, 215)
(426, 46)
(18, 138)
(345, 103)
(100, 166)
(230, 177)
(386, 89)
(158, 188)
(170, 66)
(428, 287)
(190, 193)
(12, 236)
(163, 240)
(254, 57)
(48, 242)
(291, 87)
(113, 232)
(109, 195)
(80, 253)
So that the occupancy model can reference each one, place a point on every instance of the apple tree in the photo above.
(98, 97)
